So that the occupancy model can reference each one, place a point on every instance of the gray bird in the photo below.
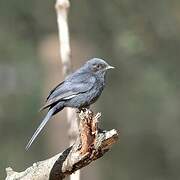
(79, 90)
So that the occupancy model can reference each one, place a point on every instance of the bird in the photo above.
(79, 90)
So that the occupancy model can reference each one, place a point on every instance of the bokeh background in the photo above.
(142, 99)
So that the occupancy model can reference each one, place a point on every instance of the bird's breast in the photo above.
(93, 94)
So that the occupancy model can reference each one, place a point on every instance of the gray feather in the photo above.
(38, 130)
(72, 86)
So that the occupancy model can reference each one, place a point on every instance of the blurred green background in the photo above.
(140, 38)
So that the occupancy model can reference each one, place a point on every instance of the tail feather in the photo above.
(43, 123)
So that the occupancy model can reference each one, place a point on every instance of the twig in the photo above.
(90, 145)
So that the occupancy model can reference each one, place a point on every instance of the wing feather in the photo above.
(70, 88)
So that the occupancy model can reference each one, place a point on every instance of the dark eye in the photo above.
(96, 67)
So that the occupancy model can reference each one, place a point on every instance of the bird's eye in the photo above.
(98, 66)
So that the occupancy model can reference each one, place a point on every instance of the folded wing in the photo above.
(70, 88)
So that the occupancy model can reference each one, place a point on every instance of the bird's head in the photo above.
(97, 66)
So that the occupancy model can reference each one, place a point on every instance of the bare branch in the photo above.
(90, 145)
(62, 7)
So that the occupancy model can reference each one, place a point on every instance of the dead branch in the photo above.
(62, 8)
(90, 145)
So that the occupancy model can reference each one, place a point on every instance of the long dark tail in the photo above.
(51, 112)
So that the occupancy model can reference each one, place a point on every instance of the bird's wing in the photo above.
(70, 88)
(54, 90)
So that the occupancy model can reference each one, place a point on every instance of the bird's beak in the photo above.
(110, 67)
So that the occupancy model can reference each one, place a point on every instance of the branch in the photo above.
(62, 8)
(90, 145)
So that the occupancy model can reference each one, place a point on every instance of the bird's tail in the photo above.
(38, 130)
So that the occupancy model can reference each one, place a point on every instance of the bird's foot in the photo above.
(82, 109)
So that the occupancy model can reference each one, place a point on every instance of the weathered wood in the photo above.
(91, 144)
(62, 9)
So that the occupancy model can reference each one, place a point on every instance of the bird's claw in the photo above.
(81, 109)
